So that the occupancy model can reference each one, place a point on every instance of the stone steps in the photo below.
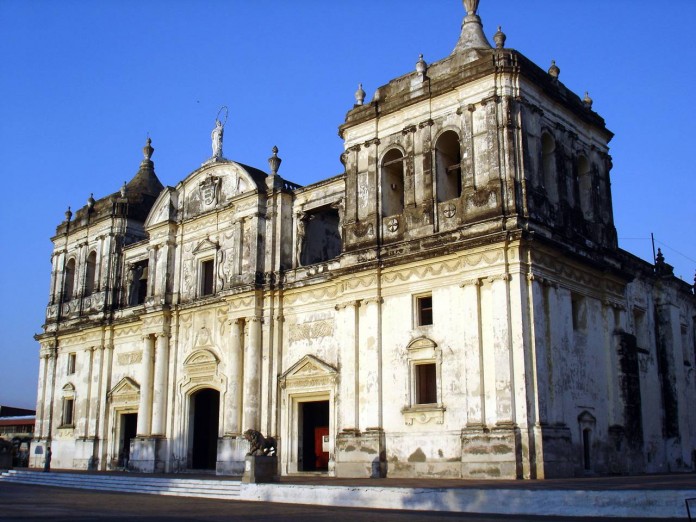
(180, 487)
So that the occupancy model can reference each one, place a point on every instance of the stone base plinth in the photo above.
(259, 469)
(491, 453)
(231, 454)
(361, 454)
(148, 454)
(85, 451)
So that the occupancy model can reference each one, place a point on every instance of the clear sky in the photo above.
(82, 83)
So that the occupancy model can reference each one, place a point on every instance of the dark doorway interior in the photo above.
(205, 406)
(129, 424)
(313, 428)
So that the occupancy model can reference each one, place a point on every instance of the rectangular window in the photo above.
(68, 412)
(426, 383)
(71, 363)
(207, 278)
(579, 312)
(424, 310)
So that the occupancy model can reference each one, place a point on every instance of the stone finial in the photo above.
(148, 150)
(90, 201)
(499, 38)
(471, 6)
(587, 101)
(554, 70)
(123, 190)
(274, 161)
(421, 66)
(472, 36)
(659, 258)
(360, 95)
(694, 282)
(662, 268)
(68, 214)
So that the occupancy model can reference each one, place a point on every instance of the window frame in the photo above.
(420, 352)
(72, 361)
(202, 264)
(418, 310)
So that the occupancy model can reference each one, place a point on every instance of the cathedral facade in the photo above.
(454, 304)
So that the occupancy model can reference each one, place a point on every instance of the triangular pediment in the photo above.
(125, 386)
(204, 245)
(309, 367)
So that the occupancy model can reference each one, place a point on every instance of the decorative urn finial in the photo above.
(274, 161)
(499, 38)
(90, 201)
(148, 150)
(123, 190)
(471, 7)
(554, 71)
(587, 101)
(68, 214)
(359, 95)
(421, 66)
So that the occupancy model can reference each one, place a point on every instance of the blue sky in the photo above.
(82, 83)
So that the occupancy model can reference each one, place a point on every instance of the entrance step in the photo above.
(180, 487)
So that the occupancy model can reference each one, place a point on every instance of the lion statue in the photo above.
(260, 445)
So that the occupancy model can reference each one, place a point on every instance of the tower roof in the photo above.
(472, 36)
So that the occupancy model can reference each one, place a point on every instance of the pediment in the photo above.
(164, 208)
(204, 245)
(69, 388)
(422, 348)
(125, 386)
(201, 363)
(215, 184)
(309, 370)
(201, 357)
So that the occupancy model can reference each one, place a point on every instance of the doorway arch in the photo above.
(204, 426)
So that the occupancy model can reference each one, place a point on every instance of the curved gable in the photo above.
(215, 184)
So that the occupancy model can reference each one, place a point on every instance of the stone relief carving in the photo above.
(128, 358)
(311, 330)
(209, 190)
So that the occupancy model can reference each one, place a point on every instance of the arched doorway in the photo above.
(205, 411)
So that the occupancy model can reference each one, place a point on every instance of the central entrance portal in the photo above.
(205, 411)
(313, 431)
(129, 424)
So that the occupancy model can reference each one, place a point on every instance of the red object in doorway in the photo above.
(321, 458)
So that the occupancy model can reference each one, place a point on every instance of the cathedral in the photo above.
(454, 304)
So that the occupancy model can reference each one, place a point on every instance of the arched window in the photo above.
(448, 166)
(90, 274)
(392, 183)
(585, 187)
(69, 280)
(548, 166)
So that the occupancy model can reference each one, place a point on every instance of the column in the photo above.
(252, 381)
(104, 414)
(350, 357)
(145, 407)
(38, 428)
(370, 367)
(50, 385)
(160, 388)
(233, 397)
(475, 405)
(88, 398)
(95, 385)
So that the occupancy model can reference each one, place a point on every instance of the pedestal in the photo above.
(491, 453)
(260, 469)
(231, 455)
(85, 451)
(148, 454)
(361, 454)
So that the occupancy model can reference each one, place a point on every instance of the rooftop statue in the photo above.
(217, 134)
